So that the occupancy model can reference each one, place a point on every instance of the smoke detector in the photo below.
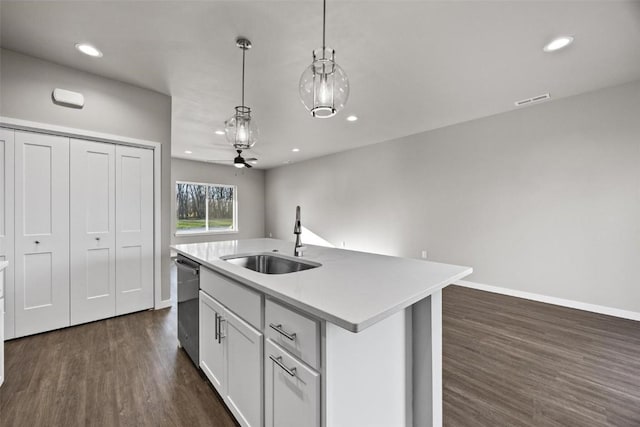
(533, 100)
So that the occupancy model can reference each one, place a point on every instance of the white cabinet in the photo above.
(93, 237)
(231, 357)
(42, 232)
(212, 361)
(7, 192)
(292, 390)
(1, 325)
(134, 229)
(111, 230)
(244, 370)
(296, 333)
(77, 222)
(1, 338)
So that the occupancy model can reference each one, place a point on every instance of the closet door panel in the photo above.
(42, 233)
(134, 229)
(7, 191)
(93, 263)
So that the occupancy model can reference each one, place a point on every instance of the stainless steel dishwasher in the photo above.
(188, 306)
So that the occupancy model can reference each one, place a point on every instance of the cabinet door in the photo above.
(7, 191)
(244, 370)
(41, 233)
(292, 390)
(134, 229)
(212, 352)
(93, 263)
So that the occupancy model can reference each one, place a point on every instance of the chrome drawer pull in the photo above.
(220, 336)
(278, 328)
(217, 328)
(278, 361)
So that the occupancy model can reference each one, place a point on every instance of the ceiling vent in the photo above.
(533, 100)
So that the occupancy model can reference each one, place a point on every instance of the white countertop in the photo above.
(353, 290)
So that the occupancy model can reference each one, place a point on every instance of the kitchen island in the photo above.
(377, 361)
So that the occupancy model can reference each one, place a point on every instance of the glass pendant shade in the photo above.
(241, 130)
(324, 86)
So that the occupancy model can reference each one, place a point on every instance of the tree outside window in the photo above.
(203, 208)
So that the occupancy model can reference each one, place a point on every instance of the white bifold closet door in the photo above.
(134, 229)
(41, 233)
(93, 231)
(7, 192)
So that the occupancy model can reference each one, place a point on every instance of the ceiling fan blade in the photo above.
(247, 165)
(251, 159)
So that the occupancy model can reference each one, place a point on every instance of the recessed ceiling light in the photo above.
(558, 43)
(188, 152)
(219, 132)
(352, 118)
(295, 150)
(88, 49)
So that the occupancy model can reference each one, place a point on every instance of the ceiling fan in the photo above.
(239, 161)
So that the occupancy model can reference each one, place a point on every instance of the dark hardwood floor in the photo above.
(507, 362)
(125, 371)
(513, 362)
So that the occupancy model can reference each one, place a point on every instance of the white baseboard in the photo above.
(609, 311)
(163, 304)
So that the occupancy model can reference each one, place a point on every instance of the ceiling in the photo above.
(413, 65)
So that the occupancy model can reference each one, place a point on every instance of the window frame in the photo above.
(233, 230)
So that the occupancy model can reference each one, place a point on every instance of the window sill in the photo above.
(205, 233)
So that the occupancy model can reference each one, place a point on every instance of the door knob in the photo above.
(37, 242)
(97, 238)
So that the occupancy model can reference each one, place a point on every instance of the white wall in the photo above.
(111, 107)
(250, 183)
(544, 199)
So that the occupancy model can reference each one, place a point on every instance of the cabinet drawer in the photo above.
(292, 390)
(295, 332)
(241, 300)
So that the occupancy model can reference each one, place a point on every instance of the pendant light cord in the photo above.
(324, 21)
(244, 50)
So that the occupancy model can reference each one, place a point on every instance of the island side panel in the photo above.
(366, 373)
(427, 361)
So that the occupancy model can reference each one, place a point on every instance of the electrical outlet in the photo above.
(424, 254)
(344, 244)
(270, 235)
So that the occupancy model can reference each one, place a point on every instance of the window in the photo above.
(205, 208)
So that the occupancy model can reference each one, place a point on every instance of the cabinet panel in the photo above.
(241, 300)
(42, 233)
(93, 265)
(99, 190)
(36, 178)
(134, 229)
(212, 354)
(38, 285)
(244, 370)
(7, 191)
(292, 396)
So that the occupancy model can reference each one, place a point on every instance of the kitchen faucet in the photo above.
(297, 230)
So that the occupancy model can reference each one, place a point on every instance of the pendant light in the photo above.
(324, 86)
(240, 129)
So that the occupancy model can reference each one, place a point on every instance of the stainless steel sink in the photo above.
(269, 263)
